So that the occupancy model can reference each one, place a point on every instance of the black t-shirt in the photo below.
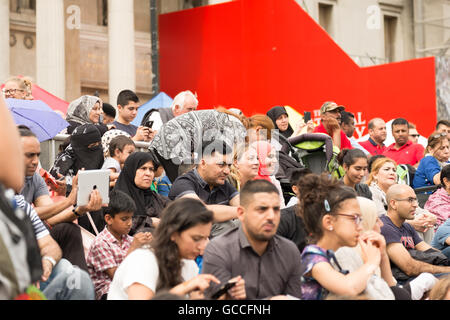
(192, 182)
(292, 227)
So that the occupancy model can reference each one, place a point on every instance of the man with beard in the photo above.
(402, 150)
(268, 263)
(208, 183)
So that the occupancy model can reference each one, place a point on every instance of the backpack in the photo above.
(20, 258)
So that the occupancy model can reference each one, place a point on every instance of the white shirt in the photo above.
(141, 266)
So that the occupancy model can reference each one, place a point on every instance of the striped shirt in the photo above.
(40, 230)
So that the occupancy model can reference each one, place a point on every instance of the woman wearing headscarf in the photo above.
(268, 165)
(85, 110)
(135, 179)
(280, 119)
(84, 151)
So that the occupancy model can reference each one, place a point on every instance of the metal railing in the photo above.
(50, 149)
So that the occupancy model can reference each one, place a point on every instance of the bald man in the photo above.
(401, 237)
(377, 135)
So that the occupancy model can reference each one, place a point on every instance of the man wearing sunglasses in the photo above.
(402, 241)
(330, 124)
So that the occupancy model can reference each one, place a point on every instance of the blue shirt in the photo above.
(442, 233)
(428, 168)
(130, 128)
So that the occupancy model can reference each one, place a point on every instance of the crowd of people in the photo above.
(221, 198)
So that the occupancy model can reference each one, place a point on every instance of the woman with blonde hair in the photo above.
(244, 167)
(381, 285)
(18, 88)
(382, 176)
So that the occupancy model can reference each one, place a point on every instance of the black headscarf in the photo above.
(274, 113)
(148, 203)
(77, 155)
(88, 158)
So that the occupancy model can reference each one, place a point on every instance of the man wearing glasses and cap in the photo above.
(330, 123)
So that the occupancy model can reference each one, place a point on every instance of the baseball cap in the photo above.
(330, 106)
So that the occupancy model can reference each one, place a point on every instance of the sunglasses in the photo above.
(442, 134)
(415, 135)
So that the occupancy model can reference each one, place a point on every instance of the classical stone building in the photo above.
(75, 47)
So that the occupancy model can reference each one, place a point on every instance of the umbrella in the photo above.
(51, 100)
(38, 116)
(161, 100)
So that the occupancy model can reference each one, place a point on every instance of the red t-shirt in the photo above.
(373, 147)
(409, 153)
(345, 142)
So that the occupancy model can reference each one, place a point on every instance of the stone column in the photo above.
(122, 67)
(50, 53)
(4, 40)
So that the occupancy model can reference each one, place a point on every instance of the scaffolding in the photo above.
(432, 27)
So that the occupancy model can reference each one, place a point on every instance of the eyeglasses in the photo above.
(355, 217)
(11, 91)
(411, 200)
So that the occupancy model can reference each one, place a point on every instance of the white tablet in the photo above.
(89, 180)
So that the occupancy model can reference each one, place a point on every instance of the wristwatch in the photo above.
(52, 261)
(74, 210)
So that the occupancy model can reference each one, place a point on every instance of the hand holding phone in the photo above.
(306, 116)
(148, 124)
(223, 289)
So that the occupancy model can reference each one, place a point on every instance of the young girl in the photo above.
(355, 164)
(120, 148)
(169, 264)
(332, 218)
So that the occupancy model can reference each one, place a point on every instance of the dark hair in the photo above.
(445, 173)
(119, 202)
(109, 109)
(372, 159)
(444, 122)
(349, 156)
(297, 174)
(255, 186)
(119, 142)
(212, 146)
(125, 96)
(178, 216)
(399, 121)
(24, 131)
(346, 116)
(320, 195)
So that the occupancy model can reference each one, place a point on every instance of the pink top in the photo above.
(439, 204)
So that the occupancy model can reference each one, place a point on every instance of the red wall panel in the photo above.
(255, 54)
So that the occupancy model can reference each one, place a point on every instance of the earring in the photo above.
(330, 228)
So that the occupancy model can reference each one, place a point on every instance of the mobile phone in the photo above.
(148, 124)
(306, 116)
(223, 289)
(48, 178)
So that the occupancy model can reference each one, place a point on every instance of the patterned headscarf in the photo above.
(80, 109)
(108, 136)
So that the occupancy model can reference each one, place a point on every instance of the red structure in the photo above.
(255, 54)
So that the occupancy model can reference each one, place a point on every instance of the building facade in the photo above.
(76, 47)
